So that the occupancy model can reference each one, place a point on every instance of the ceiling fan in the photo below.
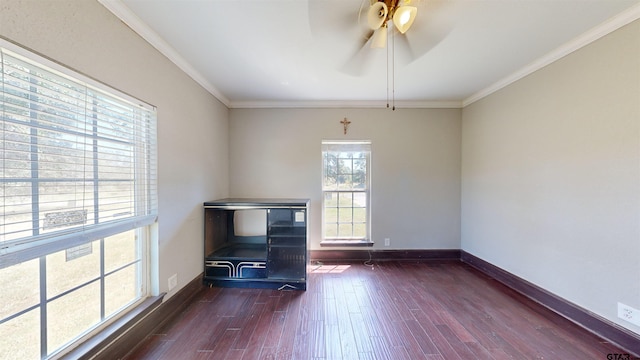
(411, 28)
(381, 12)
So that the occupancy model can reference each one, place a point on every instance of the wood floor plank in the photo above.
(456, 327)
(171, 330)
(412, 345)
(210, 323)
(479, 351)
(258, 336)
(366, 356)
(486, 329)
(400, 353)
(424, 341)
(317, 341)
(348, 346)
(246, 325)
(458, 346)
(361, 336)
(442, 344)
(381, 348)
(153, 347)
(233, 354)
(302, 333)
(275, 329)
(290, 325)
(388, 310)
(224, 344)
(332, 341)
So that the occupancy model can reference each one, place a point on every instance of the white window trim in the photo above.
(354, 145)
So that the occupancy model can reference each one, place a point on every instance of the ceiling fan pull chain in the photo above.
(387, 76)
(393, 71)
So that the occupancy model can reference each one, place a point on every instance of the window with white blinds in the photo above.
(77, 162)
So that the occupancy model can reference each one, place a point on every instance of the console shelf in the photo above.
(275, 258)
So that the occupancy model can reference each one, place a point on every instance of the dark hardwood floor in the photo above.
(391, 310)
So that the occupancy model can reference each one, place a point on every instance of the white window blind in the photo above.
(77, 162)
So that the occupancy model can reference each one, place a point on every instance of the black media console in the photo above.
(240, 253)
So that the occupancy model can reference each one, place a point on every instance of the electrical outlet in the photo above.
(387, 241)
(629, 314)
(173, 281)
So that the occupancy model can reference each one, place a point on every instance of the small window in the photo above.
(346, 192)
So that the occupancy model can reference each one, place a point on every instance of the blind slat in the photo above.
(75, 158)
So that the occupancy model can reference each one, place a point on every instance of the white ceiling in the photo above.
(288, 53)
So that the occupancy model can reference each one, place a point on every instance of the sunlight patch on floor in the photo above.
(327, 269)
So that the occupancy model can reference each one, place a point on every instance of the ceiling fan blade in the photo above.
(333, 21)
(358, 63)
(327, 17)
(431, 26)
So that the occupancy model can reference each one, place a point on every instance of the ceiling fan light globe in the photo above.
(377, 15)
(404, 17)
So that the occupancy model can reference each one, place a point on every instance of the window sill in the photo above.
(346, 243)
(93, 346)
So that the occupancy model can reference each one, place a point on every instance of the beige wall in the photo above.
(192, 124)
(551, 176)
(415, 182)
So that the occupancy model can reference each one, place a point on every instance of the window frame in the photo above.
(352, 146)
(39, 245)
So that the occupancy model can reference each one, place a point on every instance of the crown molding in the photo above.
(369, 104)
(136, 24)
(121, 11)
(607, 27)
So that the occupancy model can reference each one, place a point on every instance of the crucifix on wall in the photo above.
(345, 123)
